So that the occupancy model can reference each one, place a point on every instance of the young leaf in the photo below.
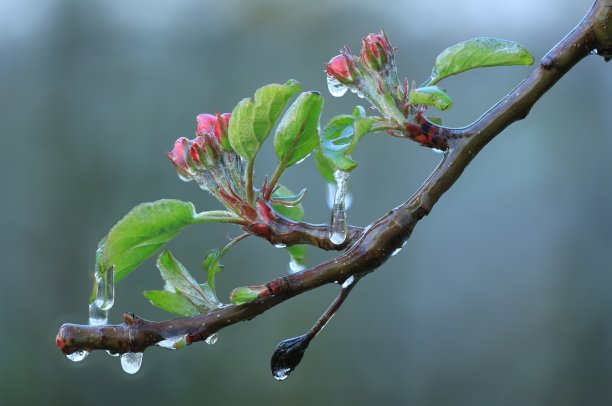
(253, 119)
(341, 135)
(298, 132)
(478, 53)
(296, 213)
(171, 302)
(212, 267)
(179, 278)
(432, 96)
(143, 231)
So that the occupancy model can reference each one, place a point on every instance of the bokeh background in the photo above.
(501, 297)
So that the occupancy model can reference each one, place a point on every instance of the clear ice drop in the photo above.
(335, 88)
(337, 231)
(105, 296)
(295, 266)
(97, 316)
(348, 282)
(281, 374)
(131, 362)
(211, 339)
(77, 356)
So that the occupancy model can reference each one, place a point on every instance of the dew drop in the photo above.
(78, 356)
(295, 266)
(173, 343)
(97, 316)
(105, 296)
(131, 362)
(212, 339)
(348, 282)
(337, 231)
(335, 88)
(280, 245)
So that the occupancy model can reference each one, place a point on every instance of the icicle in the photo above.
(97, 316)
(337, 232)
(331, 193)
(131, 362)
(105, 296)
(212, 339)
(77, 356)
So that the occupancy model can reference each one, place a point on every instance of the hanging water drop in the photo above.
(295, 266)
(337, 231)
(131, 362)
(77, 356)
(281, 374)
(360, 95)
(173, 343)
(97, 316)
(280, 245)
(112, 354)
(105, 295)
(212, 339)
(335, 88)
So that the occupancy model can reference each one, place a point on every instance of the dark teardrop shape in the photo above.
(288, 355)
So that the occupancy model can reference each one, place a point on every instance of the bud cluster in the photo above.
(210, 161)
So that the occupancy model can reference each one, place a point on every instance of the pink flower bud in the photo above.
(177, 155)
(206, 123)
(342, 68)
(376, 51)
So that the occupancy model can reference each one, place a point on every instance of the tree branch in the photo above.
(370, 247)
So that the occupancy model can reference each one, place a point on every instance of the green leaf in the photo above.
(432, 96)
(212, 267)
(298, 253)
(291, 201)
(143, 231)
(295, 213)
(478, 53)
(253, 119)
(324, 167)
(341, 135)
(298, 132)
(178, 277)
(171, 302)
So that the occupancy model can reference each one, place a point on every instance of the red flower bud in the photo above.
(177, 155)
(342, 68)
(213, 124)
(376, 51)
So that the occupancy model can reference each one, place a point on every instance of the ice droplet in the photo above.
(280, 245)
(337, 231)
(348, 282)
(105, 296)
(331, 193)
(173, 343)
(335, 88)
(295, 266)
(97, 316)
(77, 356)
(112, 354)
(131, 362)
(212, 339)
(281, 374)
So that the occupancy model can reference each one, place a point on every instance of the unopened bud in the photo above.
(342, 68)
(247, 294)
(376, 51)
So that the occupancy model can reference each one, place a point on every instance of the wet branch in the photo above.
(371, 247)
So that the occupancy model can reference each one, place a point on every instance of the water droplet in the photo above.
(331, 193)
(105, 296)
(131, 362)
(337, 231)
(77, 356)
(97, 316)
(212, 339)
(437, 151)
(295, 266)
(173, 343)
(288, 355)
(280, 245)
(112, 354)
(360, 95)
(348, 282)
(335, 88)
(281, 374)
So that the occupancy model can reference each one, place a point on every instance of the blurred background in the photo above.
(501, 297)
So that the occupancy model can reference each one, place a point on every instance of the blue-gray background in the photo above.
(501, 297)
